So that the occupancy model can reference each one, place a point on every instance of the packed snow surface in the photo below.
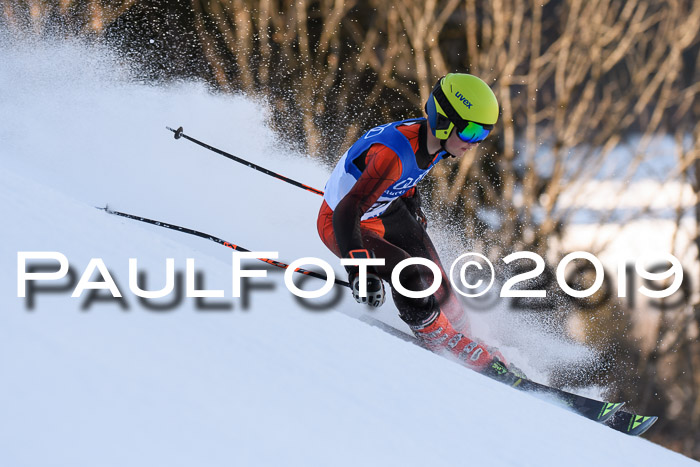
(261, 381)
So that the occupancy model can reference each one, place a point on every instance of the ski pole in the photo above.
(216, 240)
(179, 134)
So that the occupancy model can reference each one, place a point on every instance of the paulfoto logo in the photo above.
(470, 275)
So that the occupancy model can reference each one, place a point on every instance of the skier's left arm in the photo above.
(413, 202)
(382, 171)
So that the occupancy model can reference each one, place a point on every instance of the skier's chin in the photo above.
(460, 149)
(459, 152)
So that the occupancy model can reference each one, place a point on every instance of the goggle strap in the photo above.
(441, 99)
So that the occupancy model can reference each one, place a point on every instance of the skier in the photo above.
(372, 209)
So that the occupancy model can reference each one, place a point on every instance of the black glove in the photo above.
(421, 218)
(375, 287)
(414, 207)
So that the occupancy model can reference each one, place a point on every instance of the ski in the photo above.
(609, 413)
(592, 409)
(631, 424)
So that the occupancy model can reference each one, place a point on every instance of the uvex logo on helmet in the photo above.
(463, 99)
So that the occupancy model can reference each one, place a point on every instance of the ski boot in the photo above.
(437, 335)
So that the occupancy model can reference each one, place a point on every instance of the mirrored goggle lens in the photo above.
(473, 133)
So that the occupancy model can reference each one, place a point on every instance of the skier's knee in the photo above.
(415, 311)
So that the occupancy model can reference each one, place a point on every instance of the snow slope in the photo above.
(267, 382)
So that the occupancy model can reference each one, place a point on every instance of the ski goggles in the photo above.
(467, 131)
(472, 132)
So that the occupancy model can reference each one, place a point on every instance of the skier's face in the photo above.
(456, 146)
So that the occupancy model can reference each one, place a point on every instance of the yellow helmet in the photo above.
(459, 100)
